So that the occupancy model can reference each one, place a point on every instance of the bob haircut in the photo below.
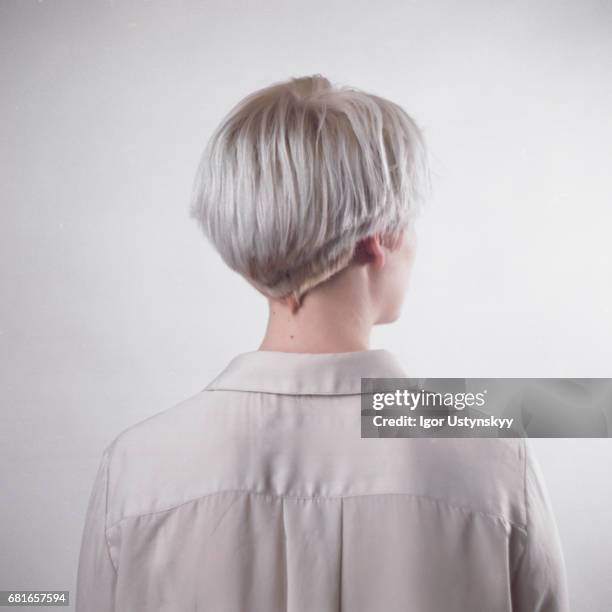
(297, 173)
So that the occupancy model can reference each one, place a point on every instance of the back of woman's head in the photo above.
(298, 173)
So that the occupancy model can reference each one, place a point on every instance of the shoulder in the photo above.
(485, 475)
(152, 463)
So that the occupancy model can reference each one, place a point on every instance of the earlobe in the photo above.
(376, 250)
(369, 250)
(378, 253)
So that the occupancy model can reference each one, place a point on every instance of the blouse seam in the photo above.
(427, 498)
(341, 554)
(290, 393)
(525, 530)
(106, 528)
(525, 498)
(285, 557)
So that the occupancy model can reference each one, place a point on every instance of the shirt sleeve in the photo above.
(96, 575)
(539, 579)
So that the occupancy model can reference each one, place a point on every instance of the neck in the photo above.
(334, 317)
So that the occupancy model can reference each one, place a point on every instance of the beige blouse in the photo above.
(259, 495)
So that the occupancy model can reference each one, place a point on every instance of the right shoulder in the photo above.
(483, 475)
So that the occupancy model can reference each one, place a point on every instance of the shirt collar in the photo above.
(306, 373)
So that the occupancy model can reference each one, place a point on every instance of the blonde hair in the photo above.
(297, 173)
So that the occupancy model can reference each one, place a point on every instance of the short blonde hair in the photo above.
(297, 173)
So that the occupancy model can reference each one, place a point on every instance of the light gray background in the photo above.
(113, 307)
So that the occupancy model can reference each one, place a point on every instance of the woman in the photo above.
(258, 494)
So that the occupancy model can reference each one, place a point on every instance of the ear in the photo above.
(369, 250)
